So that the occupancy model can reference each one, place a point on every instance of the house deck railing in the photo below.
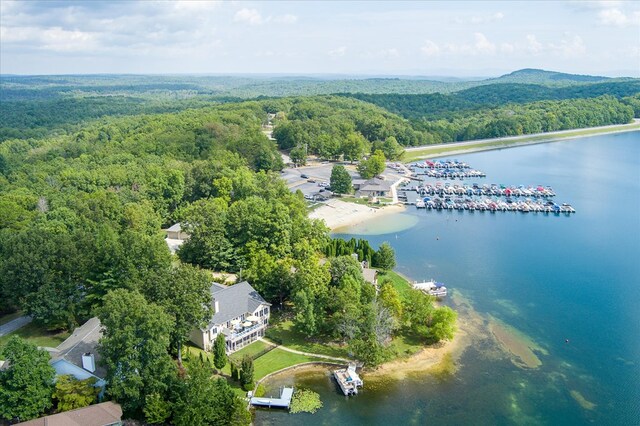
(246, 331)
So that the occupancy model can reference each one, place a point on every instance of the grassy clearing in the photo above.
(37, 335)
(282, 330)
(508, 142)
(278, 359)
(9, 317)
(399, 282)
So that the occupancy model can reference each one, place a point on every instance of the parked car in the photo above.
(304, 176)
(311, 180)
(308, 197)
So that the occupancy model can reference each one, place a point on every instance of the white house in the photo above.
(77, 355)
(241, 315)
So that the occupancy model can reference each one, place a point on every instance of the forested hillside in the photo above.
(438, 105)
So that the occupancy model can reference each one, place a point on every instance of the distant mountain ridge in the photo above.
(540, 76)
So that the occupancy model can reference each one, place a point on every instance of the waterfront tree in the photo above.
(442, 325)
(385, 257)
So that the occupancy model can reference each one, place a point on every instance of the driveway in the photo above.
(13, 325)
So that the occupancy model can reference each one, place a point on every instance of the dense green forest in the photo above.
(436, 106)
(92, 170)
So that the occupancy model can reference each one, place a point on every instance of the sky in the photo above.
(453, 38)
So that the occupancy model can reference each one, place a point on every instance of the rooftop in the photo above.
(107, 413)
(375, 184)
(84, 339)
(234, 301)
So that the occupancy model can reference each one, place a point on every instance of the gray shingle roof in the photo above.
(234, 301)
(83, 339)
(376, 184)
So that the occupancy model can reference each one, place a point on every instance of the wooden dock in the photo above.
(283, 401)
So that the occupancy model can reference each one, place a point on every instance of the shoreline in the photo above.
(338, 214)
(467, 147)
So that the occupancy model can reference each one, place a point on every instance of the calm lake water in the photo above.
(552, 278)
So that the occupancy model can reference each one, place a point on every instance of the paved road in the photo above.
(13, 325)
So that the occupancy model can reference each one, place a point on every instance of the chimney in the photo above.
(89, 362)
(216, 306)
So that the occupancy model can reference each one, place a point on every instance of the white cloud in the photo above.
(569, 47)
(533, 45)
(507, 48)
(250, 16)
(430, 48)
(338, 52)
(286, 19)
(483, 45)
(618, 18)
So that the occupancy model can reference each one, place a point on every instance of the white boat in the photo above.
(348, 380)
(431, 287)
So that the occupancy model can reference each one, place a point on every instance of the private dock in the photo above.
(348, 380)
(283, 401)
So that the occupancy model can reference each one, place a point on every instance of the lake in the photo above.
(569, 284)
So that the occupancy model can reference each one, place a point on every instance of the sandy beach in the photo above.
(337, 213)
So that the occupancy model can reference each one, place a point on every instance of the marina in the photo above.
(474, 197)
(348, 380)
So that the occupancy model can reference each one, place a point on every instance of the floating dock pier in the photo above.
(283, 401)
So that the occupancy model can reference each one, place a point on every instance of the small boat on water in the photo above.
(348, 380)
(431, 287)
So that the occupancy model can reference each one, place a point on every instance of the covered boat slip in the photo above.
(284, 401)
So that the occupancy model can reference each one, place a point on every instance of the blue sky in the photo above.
(403, 38)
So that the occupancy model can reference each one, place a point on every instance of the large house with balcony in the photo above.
(241, 315)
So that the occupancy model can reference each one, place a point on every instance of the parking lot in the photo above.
(309, 179)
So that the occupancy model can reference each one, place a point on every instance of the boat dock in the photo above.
(432, 288)
(283, 401)
(348, 380)
(492, 190)
(429, 195)
(492, 205)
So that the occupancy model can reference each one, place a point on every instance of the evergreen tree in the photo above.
(246, 374)
(219, 352)
(72, 393)
(385, 257)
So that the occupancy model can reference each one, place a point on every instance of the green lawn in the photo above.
(278, 359)
(252, 350)
(282, 330)
(37, 335)
(400, 283)
(9, 317)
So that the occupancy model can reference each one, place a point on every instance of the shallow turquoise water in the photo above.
(553, 278)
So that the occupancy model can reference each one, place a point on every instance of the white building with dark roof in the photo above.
(241, 315)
